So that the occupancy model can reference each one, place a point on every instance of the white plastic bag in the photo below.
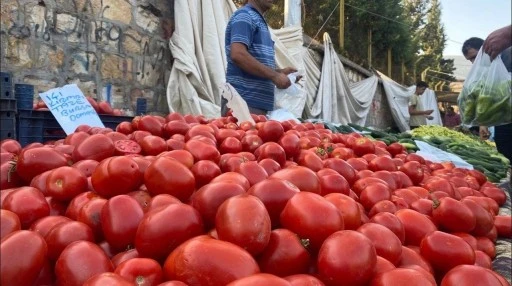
(293, 98)
(486, 95)
(282, 115)
(437, 155)
(236, 103)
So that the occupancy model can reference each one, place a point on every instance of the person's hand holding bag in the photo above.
(498, 41)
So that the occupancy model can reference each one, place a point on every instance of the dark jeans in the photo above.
(503, 139)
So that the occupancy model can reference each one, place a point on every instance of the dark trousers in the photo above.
(503, 139)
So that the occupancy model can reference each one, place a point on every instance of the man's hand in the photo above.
(498, 41)
(430, 117)
(281, 80)
(287, 70)
(428, 112)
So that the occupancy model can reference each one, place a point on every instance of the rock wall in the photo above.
(112, 49)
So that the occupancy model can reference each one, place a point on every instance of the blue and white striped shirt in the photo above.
(247, 26)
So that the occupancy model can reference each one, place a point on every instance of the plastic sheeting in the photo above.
(429, 101)
(337, 100)
(197, 46)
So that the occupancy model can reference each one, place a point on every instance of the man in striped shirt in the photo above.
(251, 58)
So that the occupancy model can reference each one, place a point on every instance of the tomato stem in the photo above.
(12, 169)
(305, 243)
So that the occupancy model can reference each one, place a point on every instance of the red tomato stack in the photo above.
(182, 200)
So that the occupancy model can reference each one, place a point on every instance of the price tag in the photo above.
(70, 107)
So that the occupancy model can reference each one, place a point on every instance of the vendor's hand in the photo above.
(430, 117)
(281, 80)
(498, 41)
(484, 132)
(287, 70)
(428, 112)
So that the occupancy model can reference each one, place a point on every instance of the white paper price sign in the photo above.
(70, 107)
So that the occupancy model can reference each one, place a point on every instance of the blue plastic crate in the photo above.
(141, 107)
(7, 125)
(111, 121)
(6, 92)
(8, 105)
(5, 79)
(24, 93)
(37, 126)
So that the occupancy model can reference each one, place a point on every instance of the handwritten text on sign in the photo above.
(70, 107)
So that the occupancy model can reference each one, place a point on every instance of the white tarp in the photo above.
(336, 99)
(197, 46)
(398, 98)
(429, 101)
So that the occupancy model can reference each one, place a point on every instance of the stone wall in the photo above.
(115, 49)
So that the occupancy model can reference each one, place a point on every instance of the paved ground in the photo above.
(503, 261)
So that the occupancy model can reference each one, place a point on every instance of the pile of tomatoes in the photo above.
(182, 200)
(101, 107)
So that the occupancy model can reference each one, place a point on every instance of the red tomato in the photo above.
(124, 127)
(152, 237)
(284, 255)
(290, 144)
(90, 214)
(107, 278)
(416, 226)
(45, 224)
(305, 179)
(141, 271)
(343, 168)
(483, 260)
(470, 275)
(300, 216)
(9, 223)
(175, 127)
(208, 199)
(63, 234)
(270, 166)
(77, 203)
(271, 150)
(486, 245)
(188, 263)
(126, 147)
(34, 161)
(503, 224)
(345, 154)
(202, 151)
(362, 146)
(260, 279)
(453, 215)
(28, 204)
(359, 263)
(234, 178)
(358, 164)
(64, 183)
(92, 261)
(86, 166)
(251, 142)
(120, 218)
(382, 163)
(382, 206)
(495, 193)
(401, 277)
(244, 221)
(303, 280)
(204, 171)
(9, 178)
(153, 145)
(23, 257)
(252, 171)
(151, 124)
(413, 170)
(445, 251)
(271, 131)
(310, 160)
(11, 146)
(168, 176)
(484, 219)
(386, 243)
(334, 183)
(230, 145)
(95, 147)
(116, 176)
(124, 256)
(373, 194)
(348, 209)
(413, 258)
(39, 182)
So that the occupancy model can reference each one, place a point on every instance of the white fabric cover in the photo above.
(337, 100)
(398, 98)
(197, 46)
(430, 102)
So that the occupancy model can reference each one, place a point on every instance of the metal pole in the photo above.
(389, 63)
(342, 24)
(403, 72)
(292, 13)
(370, 48)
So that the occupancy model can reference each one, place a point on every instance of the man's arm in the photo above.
(414, 111)
(241, 57)
(498, 41)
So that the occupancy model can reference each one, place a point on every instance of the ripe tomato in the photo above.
(503, 225)
(230, 145)
(254, 172)
(382, 163)
(360, 259)
(151, 124)
(107, 278)
(63, 234)
(116, 176)
(483, 260)
(484, 219)
(34, 161)
(470, 275)
(45, 224)
(90, 214)
(141, 271)
(300, 216)
(80, 261)
(343, 168)
(362, 146)
(270, 166)
(348, 209)
(9, 223)
(453, 215)
(334, 183)
(209, 197)
(8, 177)
(386, 243)
(373, 194)
(290, 144)
(120, 218)
(152, 237)
(65, 183)
(188, 263)
(413, 170)
(284, 254)
(95, 147)
(11, 146)
(446, 251)
(260, 279)
(244, 221)
(271, 131)
(168, 176)
(153, 145)
(303, 280)
(175, 127)
(382, 206)
(86, 166)
(28, 204)
(402, 277)
(271, 150)
(77, 203)
(305, 179)
(358, 164)
(124, 256)
(202, 151)
(23, 257)
(416, 226)
(310, 160)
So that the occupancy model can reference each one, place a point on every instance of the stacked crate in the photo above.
(7, 108)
